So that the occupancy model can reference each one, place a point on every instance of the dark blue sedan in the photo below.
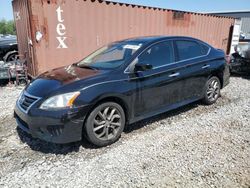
(119, 84)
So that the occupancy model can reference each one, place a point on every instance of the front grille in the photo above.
(26, 101)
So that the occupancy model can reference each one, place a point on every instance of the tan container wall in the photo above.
(89, 25)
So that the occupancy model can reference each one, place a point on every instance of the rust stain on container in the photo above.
(73, 29)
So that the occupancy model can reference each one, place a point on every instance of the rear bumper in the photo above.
(226, 76)
(62, 126)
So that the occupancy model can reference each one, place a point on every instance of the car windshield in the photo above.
(111, 56)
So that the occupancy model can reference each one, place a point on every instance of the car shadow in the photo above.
(242, 75)
(3, 82)
(52, 148)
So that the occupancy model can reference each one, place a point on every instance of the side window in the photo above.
(158, 55)
(204, 49)
(190, 49)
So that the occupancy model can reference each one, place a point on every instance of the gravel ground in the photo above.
(194, 146)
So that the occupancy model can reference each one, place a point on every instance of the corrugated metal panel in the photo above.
(236, 14)
(90, 24)
(245, 27)
(243, 15)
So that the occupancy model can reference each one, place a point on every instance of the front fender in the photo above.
(8, 54)
(123, 90)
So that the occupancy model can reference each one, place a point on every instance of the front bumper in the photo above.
(61, 126)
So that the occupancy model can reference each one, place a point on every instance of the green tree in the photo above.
(7, 27)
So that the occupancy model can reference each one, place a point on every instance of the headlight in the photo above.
(20, 97)
(60, 101)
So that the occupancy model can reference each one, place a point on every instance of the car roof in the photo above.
(152, 39)
(156, 38)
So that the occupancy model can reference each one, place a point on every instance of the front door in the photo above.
(161, 85)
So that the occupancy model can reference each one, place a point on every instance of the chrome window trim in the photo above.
(28, 95)
(161, 72)
(126, 71)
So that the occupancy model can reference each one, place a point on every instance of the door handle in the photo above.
(174, 75)
(205, 66)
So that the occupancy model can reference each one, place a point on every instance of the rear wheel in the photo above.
(105, 124)
(212, 90)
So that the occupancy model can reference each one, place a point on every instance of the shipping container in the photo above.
(53, 33)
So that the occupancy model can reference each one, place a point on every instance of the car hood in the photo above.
(67, 78)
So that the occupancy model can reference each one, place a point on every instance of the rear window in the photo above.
(190, 49)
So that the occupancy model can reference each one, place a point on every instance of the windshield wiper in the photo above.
(87, 67)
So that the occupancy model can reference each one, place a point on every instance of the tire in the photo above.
(212, 90)
(23, 82)
(11, 57)
(105, 124)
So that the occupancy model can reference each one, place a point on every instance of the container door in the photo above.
(22, 21)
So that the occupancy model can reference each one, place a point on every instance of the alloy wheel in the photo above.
(213, 90)
(107, 123)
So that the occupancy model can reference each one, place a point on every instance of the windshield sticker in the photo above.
(132, 47)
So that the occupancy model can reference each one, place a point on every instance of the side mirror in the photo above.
(142, 67)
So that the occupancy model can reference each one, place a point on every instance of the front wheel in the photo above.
(212, 90)
(105, 124)
(11, 57)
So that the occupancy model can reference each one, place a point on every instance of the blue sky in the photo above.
(187, 5)
(6, 10)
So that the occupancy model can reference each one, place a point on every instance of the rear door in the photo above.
(193, 56)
